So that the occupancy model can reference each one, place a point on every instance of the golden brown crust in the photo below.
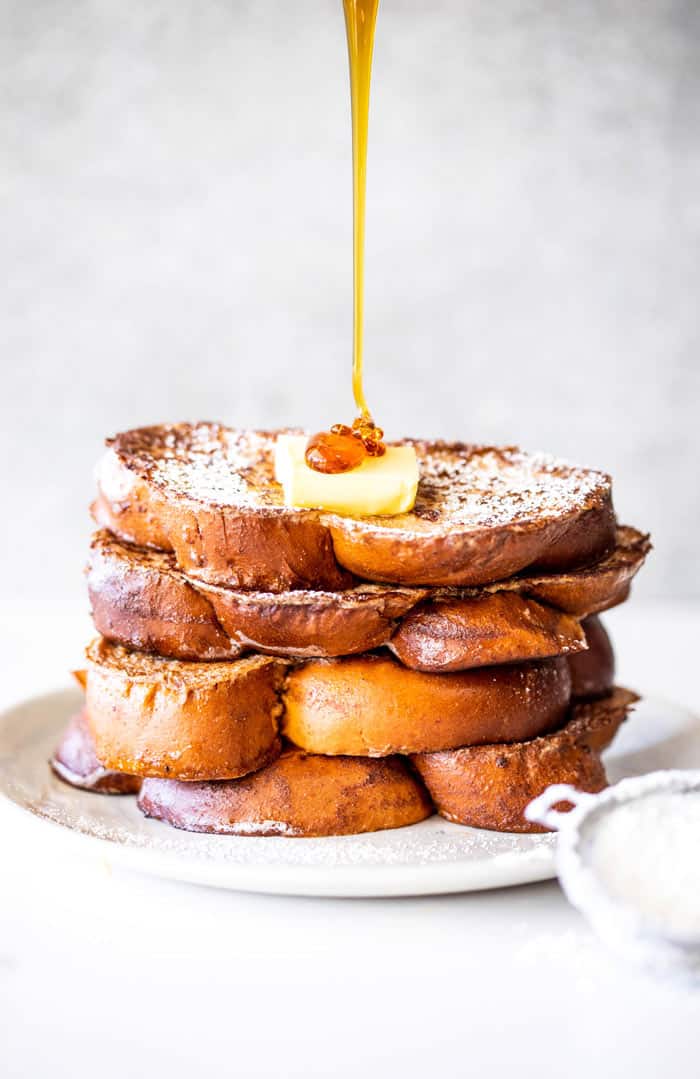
(159, 717)
(140, 599)
(372, 706)
(499, 627)
(297, 795)
(374, 551)
(598, 586)
(593, 671)
(490, 786)
(207, 493)
(308, 624)
(75, 762)
(482, 513)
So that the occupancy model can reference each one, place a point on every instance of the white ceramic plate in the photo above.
(429, 858)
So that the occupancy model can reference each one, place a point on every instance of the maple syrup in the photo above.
(344, 448)
(360, 21)
(332, 453)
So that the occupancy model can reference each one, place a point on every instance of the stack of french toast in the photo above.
(267, 670)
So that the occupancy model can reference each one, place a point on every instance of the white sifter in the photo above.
(629, 860)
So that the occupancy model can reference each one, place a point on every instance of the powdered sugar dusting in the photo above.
(205, 462)
(479, 487)
(432, 842)
(646, 855)
(133, 666)
(461, 486)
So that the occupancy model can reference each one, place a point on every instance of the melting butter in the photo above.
(380, 486)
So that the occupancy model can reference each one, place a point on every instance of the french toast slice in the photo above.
(158, 717)
(372, 706)
(482, 513)
(75, 762)
(495, 628)
(489, 786)
(140, 599)
(593, 671)
(297, 795)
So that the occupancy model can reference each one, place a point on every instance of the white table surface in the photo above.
(109, 973)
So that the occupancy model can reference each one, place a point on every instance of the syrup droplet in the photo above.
(333, 452)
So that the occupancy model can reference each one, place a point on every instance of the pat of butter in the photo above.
(380, 486)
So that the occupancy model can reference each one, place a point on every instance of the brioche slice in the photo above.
(593, 671)
(482, 513)
(371, 706)
(490, 786)
(503, 627)
(499, 627)
(75, 762)
(208, 493)
(158, 717)
(140, 599)
(297, 795)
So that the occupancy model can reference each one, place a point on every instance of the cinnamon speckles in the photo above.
(482, 485)
(489, 486)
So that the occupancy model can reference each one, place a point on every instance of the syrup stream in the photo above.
(360, 20)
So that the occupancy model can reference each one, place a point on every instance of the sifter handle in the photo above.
(540, 810)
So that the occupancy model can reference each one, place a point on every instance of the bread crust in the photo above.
(140, 599)
(482, 513)
(152, 492)
(372, 706)
(490, 786)
(375, 552)
(75, 762)
(593, 671)
(297, 795)
(158, 717)
(499, 627)
(596, 587)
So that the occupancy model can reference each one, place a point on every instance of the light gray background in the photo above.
(175, 241)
